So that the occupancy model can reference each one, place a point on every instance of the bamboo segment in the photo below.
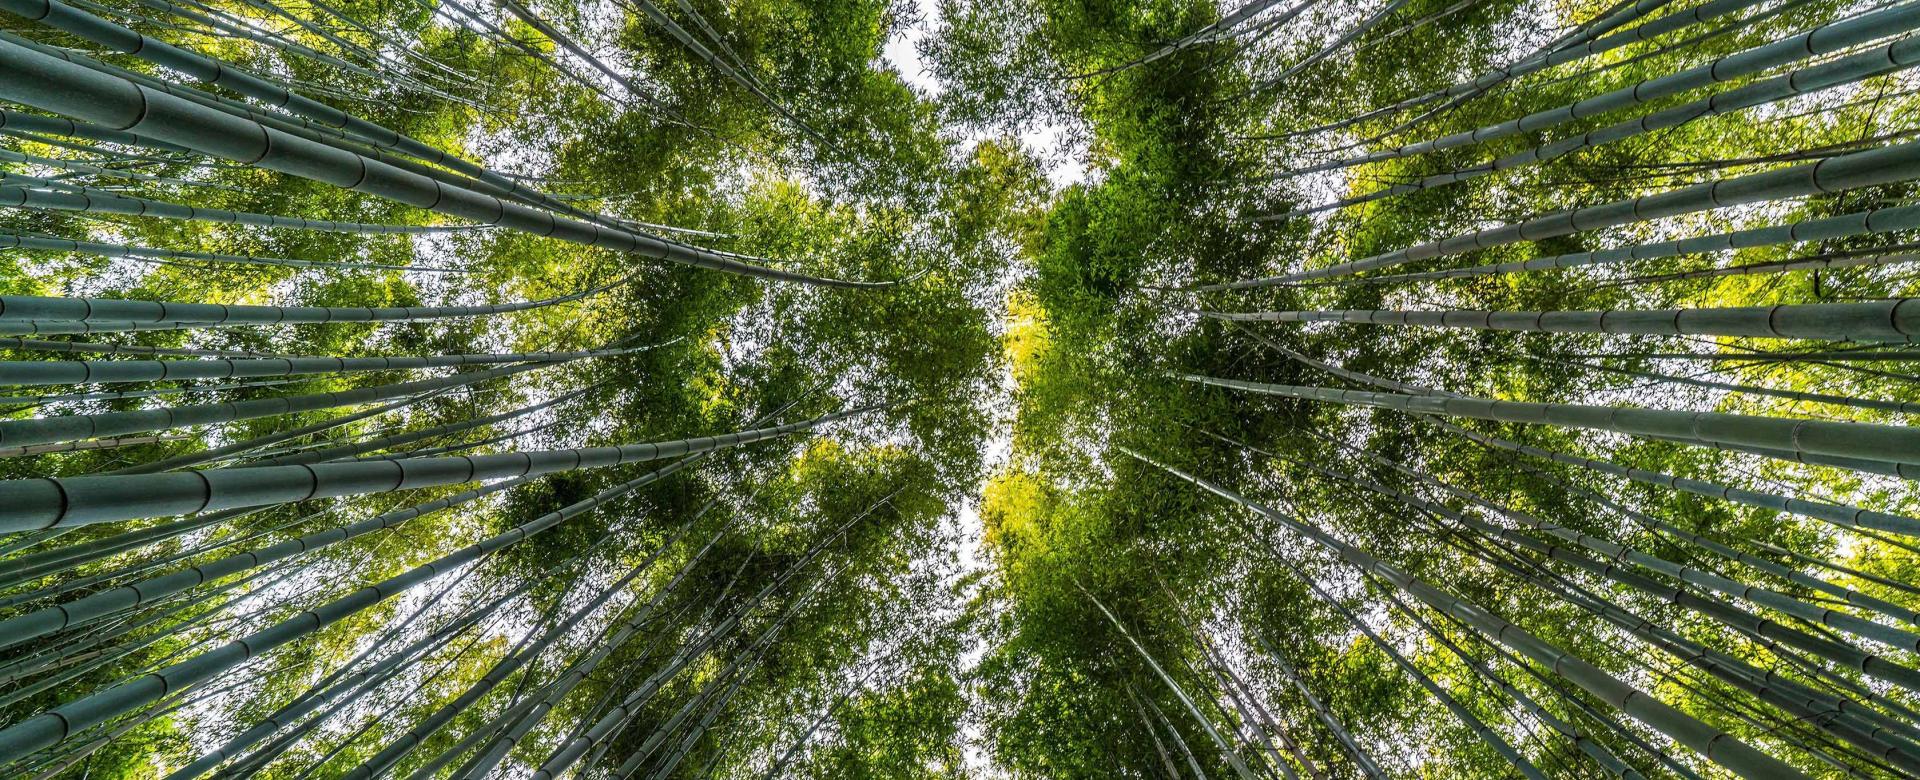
(1890, 443)
(28, 504)
(1717, 746)
(61, 87)
(1892, 321)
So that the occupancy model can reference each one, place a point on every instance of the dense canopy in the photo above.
(961, 389)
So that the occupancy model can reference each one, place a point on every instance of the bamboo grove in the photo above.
(1026, 388)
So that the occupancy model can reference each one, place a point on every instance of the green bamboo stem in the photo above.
(1361, 758)
(1226, 750)
(47, 503)
(1795, 576)
(1898, 407)
(1841, 515)
(1345, 37)
(99, 606)
(733, 676)
(114, 310)
(1825, 39)
(1885, 165)
(1739, 619)
(569, 753)
(1881, 60)
(64, 88)
(1863, 465)
(1446, 698)
(1582, 42)
(1715, 745)
(498, 672)
(342, 681)
(29, 567)
(1767, 684)
(48, 729)
(740, 677)
(1613, 551)
(94, 444)
(42, 430)
(25, 241)
(36, 401)
(226, 75)
(95, 201)
(32, 123)
(88, 372)
(1893, 444)
(1870, 222)
(66, 585)
(254, 443)
(1734, 617)
(699, 50)
(1891, 321)
(102, 348)
(393, 441)
(81, 168)
(518, 721)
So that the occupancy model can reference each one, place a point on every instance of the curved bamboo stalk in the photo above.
(1208, 34)
(1842, 515)
(98, 606)
(1769, 685)
(1717, 746)
(64, 88)
(1898, 407)
(225, 75)
(1361, 758)
(571, 751)
(500, 670)
(27, 504)
(93, 444)
(55, 726)
(1734, 617)
(249, 445)
(1893, 444)
(32, 123)
(143, 566)
(1764, 630)
(1358, 29)
(734, 675)
(88, 372)
(342, 681)
(1871, 222)
(1890, 321)
(1795, 576)
(1885, 165)
(1446, 698)
(1613, 551)
(89, 200)
(1890, 58)
(1825, 39)
(787, 757)
(1621, 13)
(119, 310)
(518, 721)
(102, 348)
(81, 168)
(1226, 749)
(91, 426)
(25, 241)
(392, 441)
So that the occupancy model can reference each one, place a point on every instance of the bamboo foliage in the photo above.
(310, 473)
